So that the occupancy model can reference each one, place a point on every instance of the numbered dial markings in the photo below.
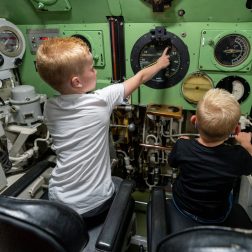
(232, 50)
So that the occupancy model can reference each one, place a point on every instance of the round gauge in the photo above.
(149, 48)
(237, 86)
(232, 50)
(84, 40)
(10, 42)
(195, 86)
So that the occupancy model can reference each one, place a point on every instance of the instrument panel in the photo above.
(223, 53)
(200, 59)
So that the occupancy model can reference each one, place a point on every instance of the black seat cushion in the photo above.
(163, 219)
(39, 225)
(207, 239)
(238, 218)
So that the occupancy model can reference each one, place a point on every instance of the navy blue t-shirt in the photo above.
(206, 176)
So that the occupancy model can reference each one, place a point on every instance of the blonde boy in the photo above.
(78, 122)
(208, 166)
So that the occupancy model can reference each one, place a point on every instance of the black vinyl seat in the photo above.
(164, 219)
(207, 239)
(38, 225)
(28, 225)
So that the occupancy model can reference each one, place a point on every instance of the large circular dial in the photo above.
(149, 48)
(237, 86)
(232, 50)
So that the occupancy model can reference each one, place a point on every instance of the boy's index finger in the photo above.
(165, 52)
(168, 45)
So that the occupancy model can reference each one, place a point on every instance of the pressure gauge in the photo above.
(149, 48)
(195, 86)
(237, 86)
(232, 50)
(11, 43)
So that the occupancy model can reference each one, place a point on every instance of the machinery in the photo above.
(21, 119)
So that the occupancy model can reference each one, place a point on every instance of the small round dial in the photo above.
(232, 50)
(237, 86)
(10, 42)
(237, 89)
(12, 45)
(195, 86)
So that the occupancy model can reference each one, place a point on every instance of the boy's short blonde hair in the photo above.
(60, 59)
(217, 114)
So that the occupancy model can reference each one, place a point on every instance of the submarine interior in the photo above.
(210, 46)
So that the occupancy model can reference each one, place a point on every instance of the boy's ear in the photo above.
(75, 82)
(237, 129)
(193, 119)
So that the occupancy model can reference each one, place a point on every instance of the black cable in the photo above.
(5, 161)
(17, 75)
(2, 101)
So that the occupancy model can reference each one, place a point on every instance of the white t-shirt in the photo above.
(79, 126)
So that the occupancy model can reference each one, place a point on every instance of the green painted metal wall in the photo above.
(89, 18)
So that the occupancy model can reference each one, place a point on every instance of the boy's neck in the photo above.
(209, 143)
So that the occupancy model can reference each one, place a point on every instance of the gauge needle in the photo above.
(6, 42)
(232, 50)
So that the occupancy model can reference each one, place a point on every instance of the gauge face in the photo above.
(237, 86)
(195, 86)
(151, 53)
(149, 48)
(9, 41)
(238, 89)
(232, 50)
